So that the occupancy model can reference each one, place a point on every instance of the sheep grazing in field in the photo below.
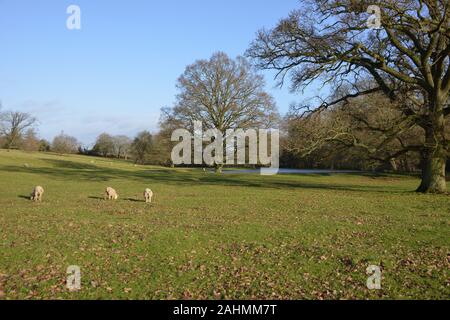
(37, 194)
(111, 194)
(148, 195)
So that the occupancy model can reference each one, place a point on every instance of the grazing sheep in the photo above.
(148, 195)
(37, 194)
(111, 194)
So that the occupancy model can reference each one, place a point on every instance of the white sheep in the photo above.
(148, 195)
(111, 194)
(37, 194)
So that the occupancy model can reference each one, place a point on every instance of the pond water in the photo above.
(290, 171)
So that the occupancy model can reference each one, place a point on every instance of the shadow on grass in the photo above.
(25, 197)
(72, 171)
(133, 200)
(96, 198)
(106, 200)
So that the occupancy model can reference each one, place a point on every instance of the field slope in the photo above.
(215, 237)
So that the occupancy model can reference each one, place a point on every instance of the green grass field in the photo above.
(215, 237)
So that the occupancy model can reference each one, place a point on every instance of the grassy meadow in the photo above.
(215, 237)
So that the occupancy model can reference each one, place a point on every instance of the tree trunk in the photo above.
(219, 168)
(394, 165)
(434, 157)
(433, 175)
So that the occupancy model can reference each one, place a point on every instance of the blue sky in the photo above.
(115, 73)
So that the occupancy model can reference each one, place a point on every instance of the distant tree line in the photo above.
(145, 148)
(366, 133)
(18, 131)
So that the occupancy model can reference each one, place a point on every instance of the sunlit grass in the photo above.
(214, 237)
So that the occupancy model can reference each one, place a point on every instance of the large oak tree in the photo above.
(406, 58)
(223, 94)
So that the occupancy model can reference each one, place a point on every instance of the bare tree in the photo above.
(122, 146)
(407, 59)
(367, 132)
(30, 141)
(223, 94)
(65, 144)
(12, 126)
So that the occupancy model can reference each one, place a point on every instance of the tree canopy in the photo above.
(223, 94)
